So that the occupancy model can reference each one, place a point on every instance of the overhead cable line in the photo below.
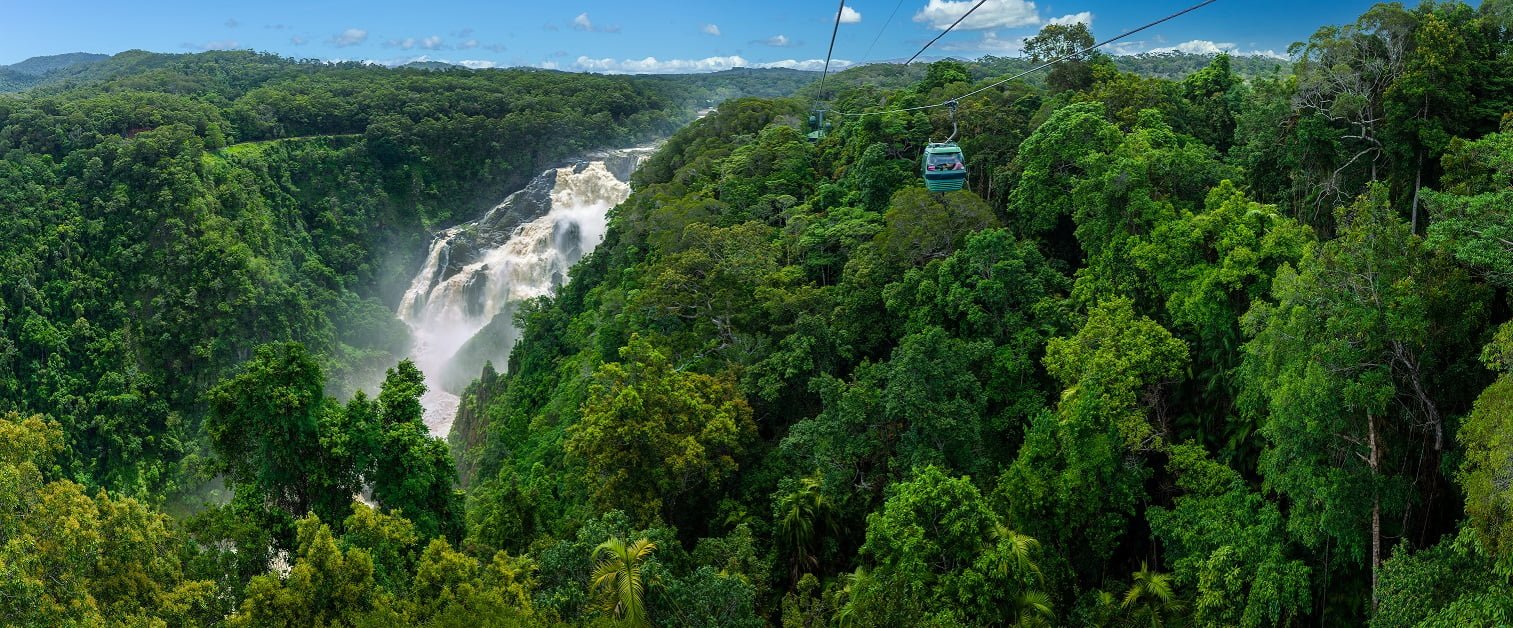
(948, 29)
(1041, 66)
(839, 11)
(884, 29)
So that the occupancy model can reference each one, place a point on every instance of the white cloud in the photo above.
(1084, 17)
(989, 43)
(582, 23)
(1267, 53)
(425, 43)
(1197, 46)
(940, 14)
(711, 29)
(653, 65)
(349, 37)
(850, 15)
(1206, 47)
(298, 41)
(468, 44)
(477, 64)
(812, 65)
(776, 41)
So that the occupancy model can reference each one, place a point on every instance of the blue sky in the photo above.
(635, 35)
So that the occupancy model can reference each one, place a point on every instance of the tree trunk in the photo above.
(1376, 510)
(1418, 183)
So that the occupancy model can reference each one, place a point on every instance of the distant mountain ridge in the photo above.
(37, 66)
(36, 70)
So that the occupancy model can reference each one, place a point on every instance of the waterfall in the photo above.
(460, 306)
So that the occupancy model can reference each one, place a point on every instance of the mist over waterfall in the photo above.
(460, 306)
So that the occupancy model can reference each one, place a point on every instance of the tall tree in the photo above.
(1058, 40)
(412, 472)
(267, 424)
(1353, 372)
(654, 440)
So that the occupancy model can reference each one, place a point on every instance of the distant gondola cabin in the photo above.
(943, 167)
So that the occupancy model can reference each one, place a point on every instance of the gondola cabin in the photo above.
(943, 167)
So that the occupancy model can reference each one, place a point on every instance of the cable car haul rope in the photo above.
(942, 165)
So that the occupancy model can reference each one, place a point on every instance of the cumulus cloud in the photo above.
(812, 65)
(467, 44)
(477, 64)
(653, 65)
(711, 29)
(776, 41)
(1266, 53)
(1206, 47)
(940, 14)
(989, 43)
(349, 37)
(424, 43)
(583, 23)
(1197, 46)
(1084, 17)
(850, 15)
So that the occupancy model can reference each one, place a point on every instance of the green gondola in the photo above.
(943, 168)
(818, 127)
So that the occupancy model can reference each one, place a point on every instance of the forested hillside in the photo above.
(160, 225)
(1223, 350)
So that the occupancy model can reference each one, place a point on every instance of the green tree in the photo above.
(1076, 481)
(804, 516)
(1452, 583)
(266, 426)
(325, 586)
(67, 558)
(1227, 544)
(653, 439)
(1352, 372)
(1485, 435)
(1151, 598)
(412, 472)
(1061, 40)
(940, 555)
(1209, 265)
(619, 581)
(920, 226)
(1048, 164)
(1470, 217)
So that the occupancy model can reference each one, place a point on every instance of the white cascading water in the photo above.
(452, 299)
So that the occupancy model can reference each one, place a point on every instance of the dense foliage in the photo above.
(1231, 349)
(159, 225)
